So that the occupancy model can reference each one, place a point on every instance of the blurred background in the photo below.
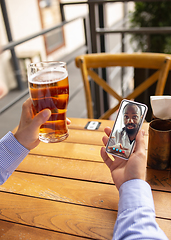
(38, 30)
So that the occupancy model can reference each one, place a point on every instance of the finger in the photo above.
(107, 130)
(28, 102)
(41, 118)
(107, 160)
(140, 142)
(68, 121)
(26, 107)
(26, 115)
(105, 140)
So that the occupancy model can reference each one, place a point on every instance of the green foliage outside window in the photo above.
(152, 14)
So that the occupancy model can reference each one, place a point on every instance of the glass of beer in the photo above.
(49, 88)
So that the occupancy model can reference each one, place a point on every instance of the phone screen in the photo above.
(127, 124)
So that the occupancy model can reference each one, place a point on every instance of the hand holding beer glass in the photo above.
(49, 88)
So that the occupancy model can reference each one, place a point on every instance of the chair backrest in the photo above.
(88, 62)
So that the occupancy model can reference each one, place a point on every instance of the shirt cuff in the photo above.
(12, 152)
(133, 194)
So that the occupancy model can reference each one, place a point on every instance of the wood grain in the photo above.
(76, 146)
(159, 179)
(74, 191)
(12, 231)
(64, 190)
(67, 168)
(165, 226)
(62, 217)
(87, 170)
(85, 137)
(80, 123)
(69, 150)
(89, 137)
(162, 201)
(77, 192)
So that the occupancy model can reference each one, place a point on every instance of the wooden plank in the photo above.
(80, 123)
(65, 190)
(78, 192)
(12, 231)
(162, 202)
(69, 168)
(165, 226)
(89, 137)
(85, 137)
(89, 168)
(84, 149)
(69, 150)
(86, 170)
(62, 217)
(82, 136)
(159, 179)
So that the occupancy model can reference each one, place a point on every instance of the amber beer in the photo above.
(49, 89)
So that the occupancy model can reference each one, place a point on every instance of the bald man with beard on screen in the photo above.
(123, 139)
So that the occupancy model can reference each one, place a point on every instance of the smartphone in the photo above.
(128, 122)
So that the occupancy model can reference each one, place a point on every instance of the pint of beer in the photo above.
(49, 88)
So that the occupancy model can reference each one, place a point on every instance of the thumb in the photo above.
(41, 118)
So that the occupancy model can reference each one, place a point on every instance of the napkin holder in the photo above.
(161, 107)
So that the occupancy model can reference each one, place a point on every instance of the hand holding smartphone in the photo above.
(128, 122)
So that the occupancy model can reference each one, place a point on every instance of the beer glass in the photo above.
(49, 88)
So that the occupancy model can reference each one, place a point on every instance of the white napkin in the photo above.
(161, 106)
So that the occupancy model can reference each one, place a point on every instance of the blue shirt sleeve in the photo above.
(11, 155)
(136, 213)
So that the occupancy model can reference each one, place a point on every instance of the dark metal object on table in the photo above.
(159, 149)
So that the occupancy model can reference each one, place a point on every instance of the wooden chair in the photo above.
(88, 62)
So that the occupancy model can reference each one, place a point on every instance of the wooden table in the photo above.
(65, 191)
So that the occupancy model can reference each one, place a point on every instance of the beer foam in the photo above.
(48, 76)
